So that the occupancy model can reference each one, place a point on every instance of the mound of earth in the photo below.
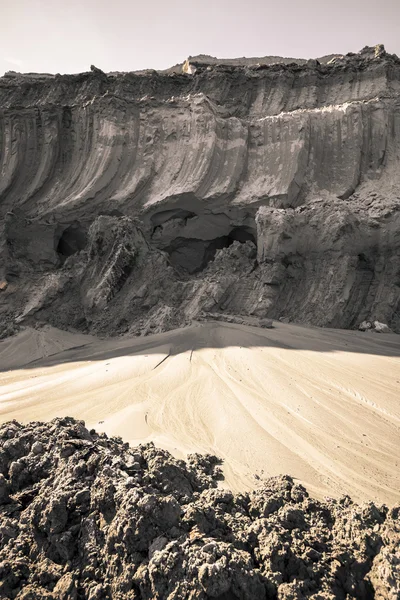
(84, 516)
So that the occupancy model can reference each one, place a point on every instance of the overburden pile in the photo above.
(84, 516)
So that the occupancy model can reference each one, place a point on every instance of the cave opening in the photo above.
(242, 235)
(72, 240)
(193, 255)
(363, 263)
(358, 291)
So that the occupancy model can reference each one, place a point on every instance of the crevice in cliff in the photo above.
(360, 289)
(193, 255)
(72, 239)
(167, 215)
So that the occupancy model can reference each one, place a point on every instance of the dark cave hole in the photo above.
(242, 235)
(238, 234)
(364, 276)
(193, 255)
(364, 264)
(72, 240)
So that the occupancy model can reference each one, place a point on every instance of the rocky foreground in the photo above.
(85, 516)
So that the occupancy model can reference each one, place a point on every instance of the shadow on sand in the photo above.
(208, 335)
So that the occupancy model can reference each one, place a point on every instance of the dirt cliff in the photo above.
(135, 201)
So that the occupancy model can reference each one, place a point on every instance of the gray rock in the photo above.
(37, 448)
(381, 327)
(157, 545)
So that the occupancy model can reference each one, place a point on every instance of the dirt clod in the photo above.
(105, 521)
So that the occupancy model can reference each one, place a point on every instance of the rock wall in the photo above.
(300, 161)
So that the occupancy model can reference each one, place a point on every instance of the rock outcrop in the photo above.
(85, 516)
(262, 188)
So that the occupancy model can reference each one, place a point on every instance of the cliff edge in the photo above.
(138, 201)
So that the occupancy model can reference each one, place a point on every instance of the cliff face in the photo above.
(269, 189)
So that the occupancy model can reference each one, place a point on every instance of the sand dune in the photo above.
(320, 405)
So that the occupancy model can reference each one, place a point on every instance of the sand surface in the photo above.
(321, 405)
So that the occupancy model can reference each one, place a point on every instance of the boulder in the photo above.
(381, 327)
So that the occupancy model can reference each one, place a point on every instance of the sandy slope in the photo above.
(321, 405)
(33, 344)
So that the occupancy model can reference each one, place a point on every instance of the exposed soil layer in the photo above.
(83, 516)
(264, 187)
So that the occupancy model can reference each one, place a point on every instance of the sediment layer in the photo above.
(299, 161)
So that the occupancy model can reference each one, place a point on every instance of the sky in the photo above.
(67, 36)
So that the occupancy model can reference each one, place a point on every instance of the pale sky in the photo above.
(67, 36)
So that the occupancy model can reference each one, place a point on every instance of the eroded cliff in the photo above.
(135, 201)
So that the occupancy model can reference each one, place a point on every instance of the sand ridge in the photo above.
(320, 405)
